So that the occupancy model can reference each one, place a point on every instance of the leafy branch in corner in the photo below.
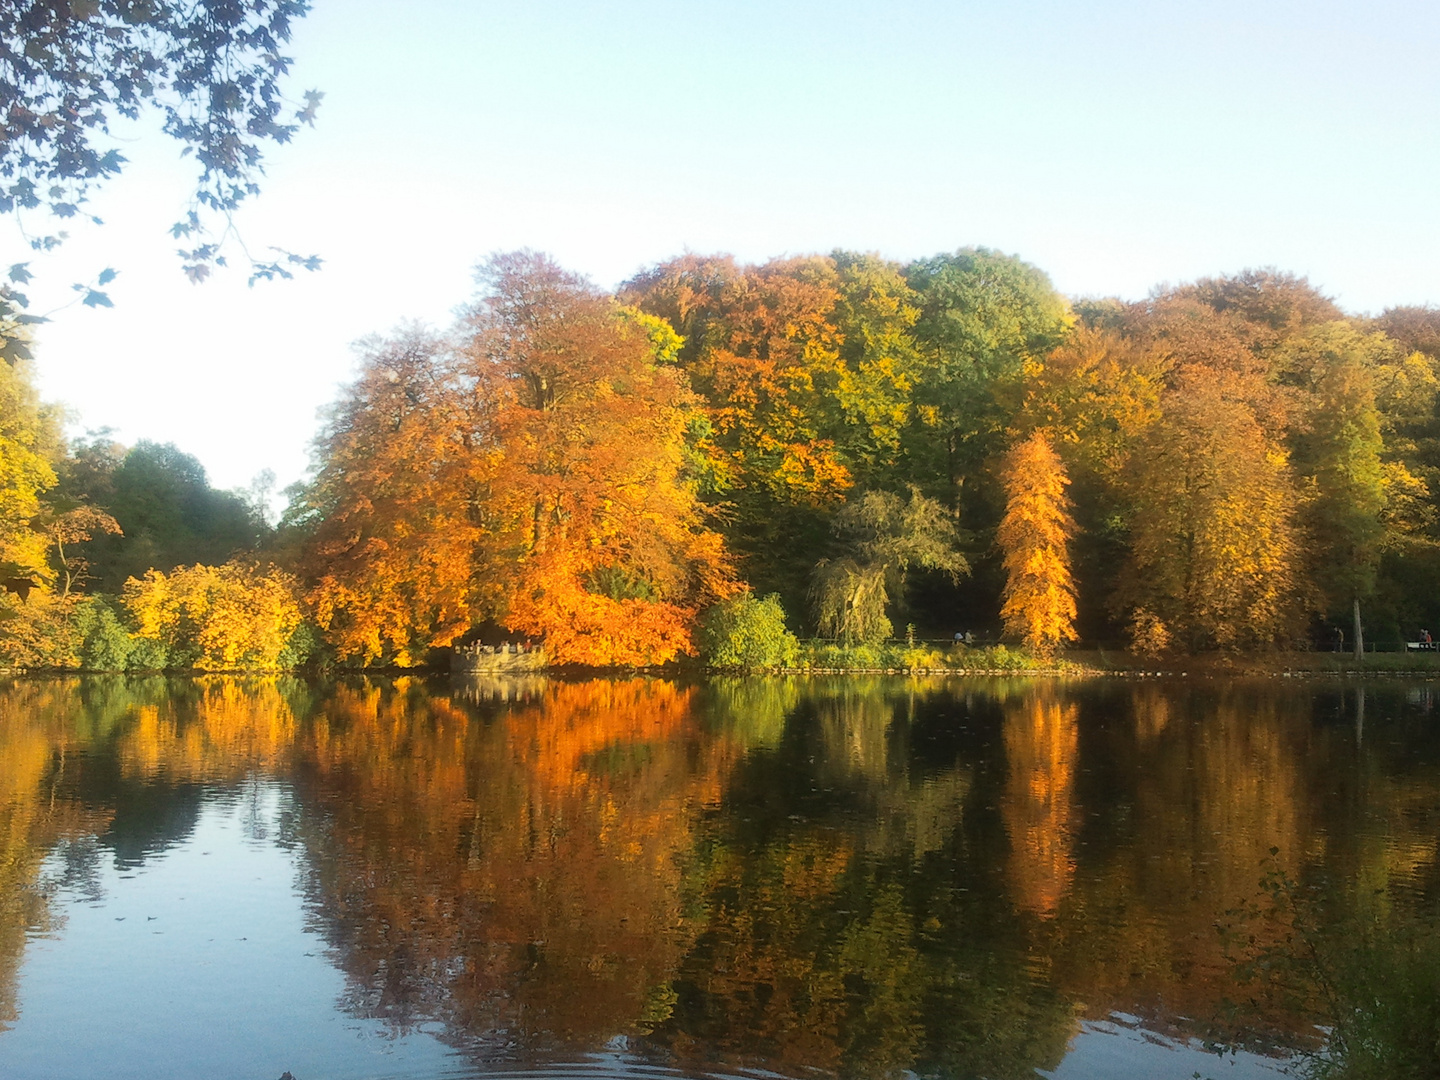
(214, 70)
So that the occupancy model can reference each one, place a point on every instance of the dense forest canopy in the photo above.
(938, 446)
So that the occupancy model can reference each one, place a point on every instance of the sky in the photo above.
(1116, 145)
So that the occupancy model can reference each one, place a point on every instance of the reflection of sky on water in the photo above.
(1121, 1047)
(197, 963)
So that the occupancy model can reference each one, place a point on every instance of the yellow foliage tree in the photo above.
(29, 439)
(1094, 394)
(216, 618)
(1214, 548)
(1039, 597)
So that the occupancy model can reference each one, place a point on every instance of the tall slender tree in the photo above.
(1035, 533)
(1340, 448)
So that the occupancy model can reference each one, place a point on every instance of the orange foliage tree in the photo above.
(763, 350)
(806, 368)
(1039, 597)
(395, 531)
(609, 557)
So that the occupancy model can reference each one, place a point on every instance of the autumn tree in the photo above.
(1237, 326)
(1096, 394)
(873, 388)
(609, 556)
(881, 537)
(762, 349)
(763, 352)
(1039, 597)
(1214, 551)
(216, 618)
(29, 444)
(68, 530)
(396, 549)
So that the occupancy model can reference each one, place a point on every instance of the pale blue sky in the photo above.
(1116, 145)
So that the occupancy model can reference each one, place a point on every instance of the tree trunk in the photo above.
(1359, 633)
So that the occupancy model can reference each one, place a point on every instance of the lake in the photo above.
(856, 877)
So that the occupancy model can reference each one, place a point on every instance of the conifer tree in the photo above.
(1039, 597)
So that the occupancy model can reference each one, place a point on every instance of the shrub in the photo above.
(147, 654)
(1370, 969)
(105, 644)
(747, 632)
(305, 644)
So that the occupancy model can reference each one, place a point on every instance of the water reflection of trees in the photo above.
(1185, 791)
(99, 767)
(843, 917)
(516, 876)
(861, 876)
(1042, 737)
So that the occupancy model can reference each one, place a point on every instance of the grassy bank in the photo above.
(1270, 663)
(826, 657)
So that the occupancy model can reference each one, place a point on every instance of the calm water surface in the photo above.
(858, 878)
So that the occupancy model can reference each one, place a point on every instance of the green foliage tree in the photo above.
(166, 511)
(1341, 452)
(881, 537)
(105, 643)
(747, 632)
(875, 316)
(983, 314)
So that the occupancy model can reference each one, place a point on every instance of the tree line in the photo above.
(841, 444)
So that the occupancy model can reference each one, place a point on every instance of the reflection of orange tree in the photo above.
(1042, 738)
(518, 878)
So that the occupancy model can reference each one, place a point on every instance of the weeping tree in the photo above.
(881, 537)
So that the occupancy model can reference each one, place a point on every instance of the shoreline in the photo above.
(1076, 664)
